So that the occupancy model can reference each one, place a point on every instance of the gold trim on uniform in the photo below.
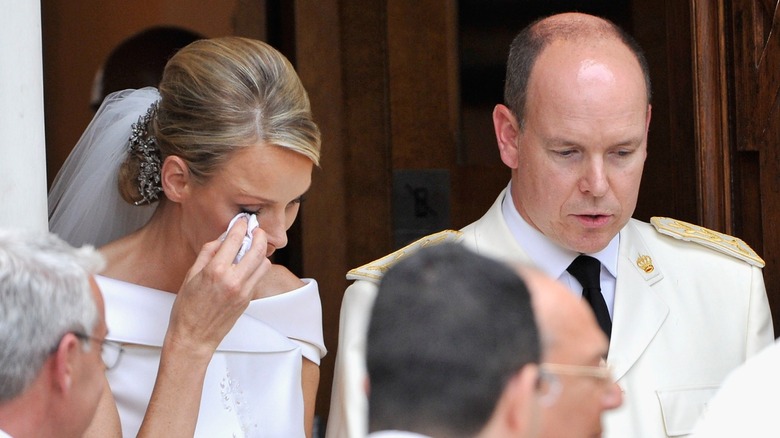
(724, 243)
(376, 269)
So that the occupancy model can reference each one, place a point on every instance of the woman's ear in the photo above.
(175, 178)
(507, 135)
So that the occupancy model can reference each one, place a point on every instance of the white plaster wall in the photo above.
(22, 140)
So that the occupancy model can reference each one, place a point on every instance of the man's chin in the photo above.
(590, 245)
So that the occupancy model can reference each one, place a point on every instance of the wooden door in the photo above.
(753, 32)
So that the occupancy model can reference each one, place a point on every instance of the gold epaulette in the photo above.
(375, 270)
(724, 243)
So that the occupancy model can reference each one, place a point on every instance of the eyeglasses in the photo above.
(551, 386)
(110, 351)
(601, 372)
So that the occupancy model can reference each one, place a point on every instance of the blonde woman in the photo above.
(213, 345)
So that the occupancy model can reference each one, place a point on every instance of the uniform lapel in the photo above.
(493, 238)
(639, 310)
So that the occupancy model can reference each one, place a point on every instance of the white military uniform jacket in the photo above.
(685, 314)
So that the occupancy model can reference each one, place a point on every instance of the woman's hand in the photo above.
(215, 292)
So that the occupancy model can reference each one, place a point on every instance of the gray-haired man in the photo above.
(51, 336)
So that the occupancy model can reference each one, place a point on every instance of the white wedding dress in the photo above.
(253, 383)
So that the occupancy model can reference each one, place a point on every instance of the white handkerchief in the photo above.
(252, 218)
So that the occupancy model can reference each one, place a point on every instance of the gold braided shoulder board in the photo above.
(375, 270)
(720, 242)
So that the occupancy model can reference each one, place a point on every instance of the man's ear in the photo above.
(649, 116)
(507, 131)
(63, 363)
(522, 399)
(175, 178)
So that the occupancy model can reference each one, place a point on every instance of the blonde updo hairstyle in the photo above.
(222, 94)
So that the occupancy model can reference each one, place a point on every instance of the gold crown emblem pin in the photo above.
(645, 263)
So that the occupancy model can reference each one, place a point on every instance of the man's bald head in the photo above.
(572, 26)
(572, 339)
(560, 315)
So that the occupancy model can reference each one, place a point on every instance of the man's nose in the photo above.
(594, 179)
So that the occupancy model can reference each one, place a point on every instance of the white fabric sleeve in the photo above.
(348, 416)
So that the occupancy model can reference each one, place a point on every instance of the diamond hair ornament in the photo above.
(144, 146)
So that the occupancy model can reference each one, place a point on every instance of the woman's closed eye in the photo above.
(249, 210)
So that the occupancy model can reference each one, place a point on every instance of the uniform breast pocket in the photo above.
(682, 407)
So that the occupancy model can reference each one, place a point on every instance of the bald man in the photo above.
(579, 385)
(681, 305)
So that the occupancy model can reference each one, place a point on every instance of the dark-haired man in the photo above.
(452, 349)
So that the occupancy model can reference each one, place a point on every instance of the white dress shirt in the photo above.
(553, 260)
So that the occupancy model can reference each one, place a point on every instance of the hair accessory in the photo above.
(85, 205)
(144, 146)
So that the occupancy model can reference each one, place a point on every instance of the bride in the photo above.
(213, 344)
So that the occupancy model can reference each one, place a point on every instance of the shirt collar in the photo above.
(546, 254)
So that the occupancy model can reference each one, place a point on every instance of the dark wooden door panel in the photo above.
(756, 144)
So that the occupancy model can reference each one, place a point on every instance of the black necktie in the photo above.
(587, 270)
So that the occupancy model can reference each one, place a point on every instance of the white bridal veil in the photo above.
(84, 203)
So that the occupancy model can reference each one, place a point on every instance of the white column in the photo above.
(22, 140)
